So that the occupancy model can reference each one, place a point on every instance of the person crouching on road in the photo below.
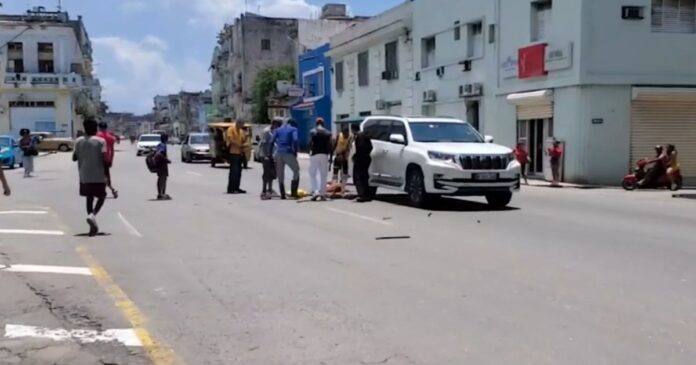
(287, 145)
(110, 152)
(361, 165)
(236, 139)
(163, 162)
(91, 157)
(267, 148)
(319, 150)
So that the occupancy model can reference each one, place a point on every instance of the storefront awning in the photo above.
(531, 98)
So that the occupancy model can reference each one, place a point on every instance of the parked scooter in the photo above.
(630, 181)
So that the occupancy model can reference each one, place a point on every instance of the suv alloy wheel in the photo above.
(415, 188)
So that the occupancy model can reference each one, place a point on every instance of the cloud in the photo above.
(144, 71)
(215, 13)
(133, 6)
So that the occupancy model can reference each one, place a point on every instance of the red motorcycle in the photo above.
(630, 181)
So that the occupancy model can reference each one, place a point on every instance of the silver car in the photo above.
(196, 147)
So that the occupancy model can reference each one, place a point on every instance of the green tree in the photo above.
(265, 84)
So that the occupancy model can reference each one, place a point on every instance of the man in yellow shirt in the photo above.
(236, 138)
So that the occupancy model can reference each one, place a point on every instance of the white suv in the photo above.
(430, 157)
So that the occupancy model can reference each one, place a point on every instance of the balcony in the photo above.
(44, 80)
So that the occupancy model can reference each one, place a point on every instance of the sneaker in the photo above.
(93, 227)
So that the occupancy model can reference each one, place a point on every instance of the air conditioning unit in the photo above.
(381, 105)
(469, 90)
(390, 75)
(632, 12)
(429, 96)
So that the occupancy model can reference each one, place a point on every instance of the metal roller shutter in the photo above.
(665, 120)
(534, 111)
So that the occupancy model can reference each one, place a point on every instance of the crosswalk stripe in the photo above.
(125, 336)
(23, 212)
(44, 269)
(32, 232)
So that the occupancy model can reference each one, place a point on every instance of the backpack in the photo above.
(152, 162)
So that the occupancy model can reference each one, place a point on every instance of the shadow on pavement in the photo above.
(100, 234)
(444, 204)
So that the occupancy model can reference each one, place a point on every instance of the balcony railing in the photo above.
(44, 80)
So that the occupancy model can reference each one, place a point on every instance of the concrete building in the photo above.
(47, 81)
(373, 66)
(609, 79)
(181, 113)
(254, 43)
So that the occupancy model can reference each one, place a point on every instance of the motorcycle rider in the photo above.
(672, 164)
(659, 167)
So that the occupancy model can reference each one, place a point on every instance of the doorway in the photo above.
(473, 114)
(533, 133)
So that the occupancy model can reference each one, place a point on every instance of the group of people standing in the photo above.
(555, 153)
(279, 148)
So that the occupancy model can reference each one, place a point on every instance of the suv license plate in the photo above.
(486, 176)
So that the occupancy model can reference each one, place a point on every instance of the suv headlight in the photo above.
(439, 156)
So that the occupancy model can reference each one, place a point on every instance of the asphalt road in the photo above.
(565, 276)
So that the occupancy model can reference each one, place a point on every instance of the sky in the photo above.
(147, 47)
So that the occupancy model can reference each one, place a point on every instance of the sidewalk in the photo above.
(547, 184)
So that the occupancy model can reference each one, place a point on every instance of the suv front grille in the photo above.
(484, 162)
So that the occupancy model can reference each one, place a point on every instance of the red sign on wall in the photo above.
(532, 61)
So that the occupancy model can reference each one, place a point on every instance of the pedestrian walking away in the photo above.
(267, 150)
(522, 157)
(287, 145)
(162, 162)
(27, 145)
(361, 165)
(236, 140)
(555, 153)
(5, 185)
(319, 151)
(341, 156)
(110, 140)
(91, 156)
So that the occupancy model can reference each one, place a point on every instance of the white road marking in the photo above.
(125, 336)
(359, 216)
(194, 173)
(24, 212)
(48, 269)
(129, 226)
(32, 232)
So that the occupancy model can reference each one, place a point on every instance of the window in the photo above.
(15, 57)
(391, 60)
(673, 16)
(428, 52)
(378, 130)
(457, 31)
(398, 128)
(365, 114)
(265, 44)
(338, 74)
(363, 69)
(541, 19)
(475, 39)
(46, 66)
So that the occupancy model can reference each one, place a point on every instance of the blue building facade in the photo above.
(314, 70)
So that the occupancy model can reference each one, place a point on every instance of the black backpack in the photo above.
(151, 161)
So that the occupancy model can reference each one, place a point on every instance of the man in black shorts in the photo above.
(91, 156)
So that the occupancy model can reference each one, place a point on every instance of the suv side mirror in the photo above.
(397, 139)
(489, 139)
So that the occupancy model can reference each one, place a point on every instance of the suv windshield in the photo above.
(202, 139)
(4, 142)
(150, 139)
(444, 132)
